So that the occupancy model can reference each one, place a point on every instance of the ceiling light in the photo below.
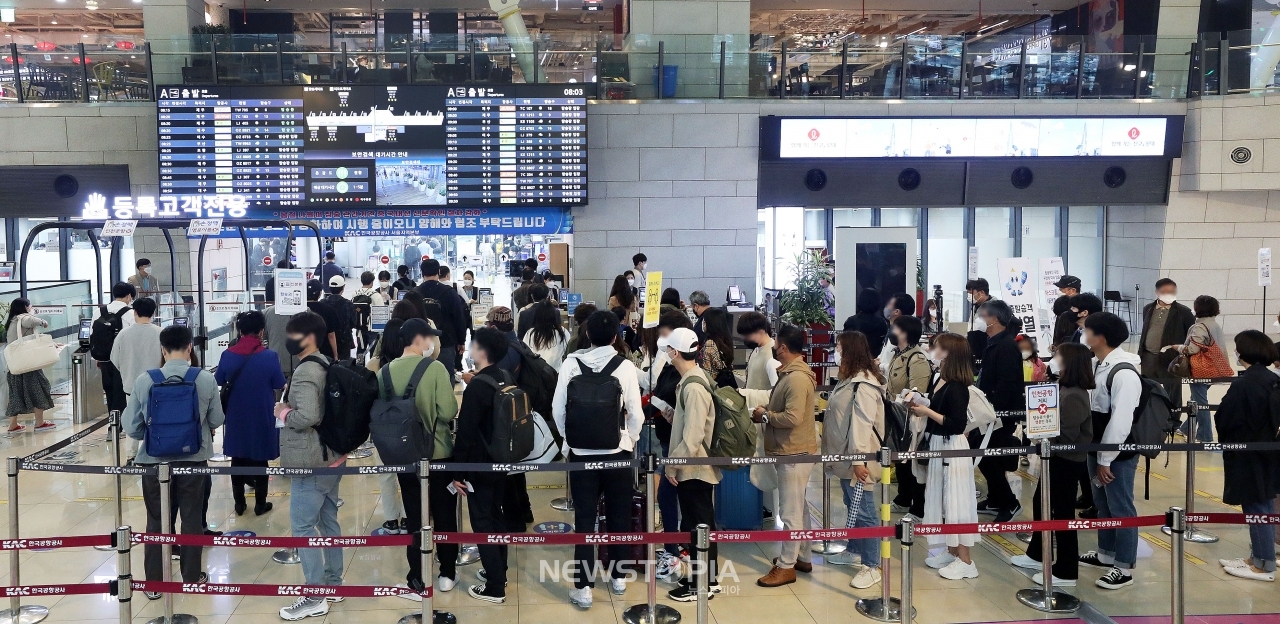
(1130, 67)
(54, 22)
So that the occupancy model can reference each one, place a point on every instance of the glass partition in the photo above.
(68, 302)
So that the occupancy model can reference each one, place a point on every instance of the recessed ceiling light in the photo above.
(54, 22)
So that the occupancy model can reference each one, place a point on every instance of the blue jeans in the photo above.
(1115, 500)
(1262, 537)
(1204, 423)
(313, 512)
(861, 505)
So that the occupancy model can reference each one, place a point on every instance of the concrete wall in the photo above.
(83, 134)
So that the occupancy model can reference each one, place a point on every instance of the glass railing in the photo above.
(65, 304)
(692, 66)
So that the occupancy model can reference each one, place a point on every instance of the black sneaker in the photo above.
(1006, 515)
(1084, 503)
(1115, 579)
(686, 592)
(528, 516)
(483, 578)
(986, 509)
(1089, 514)
(404, 526)
(1092, 558)
(392, 527)
(481, 592)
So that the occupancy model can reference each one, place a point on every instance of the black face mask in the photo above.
(293, 346)
(751, 344)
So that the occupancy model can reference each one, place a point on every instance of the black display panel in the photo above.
(376, 145)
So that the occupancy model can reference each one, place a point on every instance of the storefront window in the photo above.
(948, 253)
(851, 217)
(1086, 227)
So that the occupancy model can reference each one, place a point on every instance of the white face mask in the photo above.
(837, 358)
(1276, 324)
(385, 284)
(146, 270)
(937, 357)
(631, 282)
(1167, 299)
(1026, 354)
(968, 296)
(468, 283)
(429, 349)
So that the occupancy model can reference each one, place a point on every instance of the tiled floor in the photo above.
(66, 504)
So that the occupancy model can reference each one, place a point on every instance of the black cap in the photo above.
(415, 327)
(1068, 281)
(314, 289)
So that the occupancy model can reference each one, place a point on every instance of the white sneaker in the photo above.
(866, 577)
(1233, 563)
(668, 564)
(444, 583)
(1247, 572)
(305, 607)
(412, 596)
(581, 598)
(940, 560)
(1038, 579)
(1023, 561)
(845, 558)
(959, 570)
(617, 586)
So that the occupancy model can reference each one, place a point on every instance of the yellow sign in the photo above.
(653, 298)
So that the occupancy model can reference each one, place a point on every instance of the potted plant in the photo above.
(806, 304)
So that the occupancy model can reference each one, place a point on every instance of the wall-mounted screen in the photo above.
(350, 146)
(961, 137)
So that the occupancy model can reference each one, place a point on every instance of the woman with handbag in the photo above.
(29, 392)
(1201, 357)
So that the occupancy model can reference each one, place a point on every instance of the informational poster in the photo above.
(1018, 289)
(378, 317)
(572, 301)
(1042, 411)
(1051, 270)
(973, 263)
(205, 227)
(652, 304)
(291, 291)
(1264, 266)
(118, 227)
(480, 309)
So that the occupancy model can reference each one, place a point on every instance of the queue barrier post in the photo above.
(426, 550)
(564, 503)
(641, 613)
(885, 608)
(467, 553)
(113, 444)
(16, 613)
(1045, 598)
(166, 552)
(1177, 520)
(124, 574)
(907, 537)
(702, 546)
(1192, 534)
(827, 547)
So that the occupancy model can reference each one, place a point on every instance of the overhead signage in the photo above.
(97, 208)
(208, 227)
(981, 137)
(413, 222)
(119, 227)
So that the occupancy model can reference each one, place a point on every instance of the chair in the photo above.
(1112, 300)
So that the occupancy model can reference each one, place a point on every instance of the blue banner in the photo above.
(412, 221)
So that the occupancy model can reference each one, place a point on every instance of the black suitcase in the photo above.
(637, 552)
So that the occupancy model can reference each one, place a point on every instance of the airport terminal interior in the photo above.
(779, 234)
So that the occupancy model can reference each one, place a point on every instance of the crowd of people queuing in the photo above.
(613, 375)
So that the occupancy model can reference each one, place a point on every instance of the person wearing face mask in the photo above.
(899, 305)
(1068, 286)
(869, 319)
(1251, 479)
(908, 370)
(658, 382)
(639, 265)
(1001, 380)
(1165, 324)
(143, 280)
(1076, 380)
(468, 288)
(385, 289)
(978, 292)
(1033, 368)
(622, 295)
(1204, 348)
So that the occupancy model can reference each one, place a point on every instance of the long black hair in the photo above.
(17, 308)
(623, 292)
(715, 327)
(546, 328)
(415, 299)
(390, 347)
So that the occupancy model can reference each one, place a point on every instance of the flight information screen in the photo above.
(376, 145)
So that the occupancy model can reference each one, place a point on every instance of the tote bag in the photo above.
(1210, 362)
(31, 352)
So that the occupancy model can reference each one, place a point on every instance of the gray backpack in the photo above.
(394, 425)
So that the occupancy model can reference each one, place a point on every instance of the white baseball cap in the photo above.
(681, 339)
(337, 282)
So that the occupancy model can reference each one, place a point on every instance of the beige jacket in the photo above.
(909, 369)
(692, 427)
(852, 422)
(792, 428)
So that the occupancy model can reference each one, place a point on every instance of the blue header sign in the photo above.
(416, 221)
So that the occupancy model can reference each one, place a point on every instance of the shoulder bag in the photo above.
(31, 352)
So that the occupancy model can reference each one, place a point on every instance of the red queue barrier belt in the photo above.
(343, 541)
(235, 589)
(45, 543)
(1232, 518)
(17, 591)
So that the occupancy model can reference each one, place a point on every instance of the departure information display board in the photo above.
(376, 145)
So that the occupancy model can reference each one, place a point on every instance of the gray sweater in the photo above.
(299, 441)
(134, 419)
(136, 351)
(276, 337)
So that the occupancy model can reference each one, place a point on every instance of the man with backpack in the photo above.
(597, 407)
(173, 411)
(114, 317)
(345, 313)
(692, 430)
(313, 506)
(1115, 404)
(366, 298)
(446, 310)
(485, 491)
(790, 429)
(329, 345)
(421, 381)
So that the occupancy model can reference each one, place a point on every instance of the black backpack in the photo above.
(364, 308)
(102, 335)
(435, 312)
(593, 410)
(897, 430)
(1154, 419)
(536, 377)
(349, 393)
(346, 315)
(512, 421)
(394, 423)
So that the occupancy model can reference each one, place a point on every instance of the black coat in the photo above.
(1001, 376)
(1245, 416)
(475, 419)
(1180, 320)
(874, 326)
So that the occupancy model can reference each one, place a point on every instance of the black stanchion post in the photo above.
(1177, 600)
(16, 612)
(1045, 599)
(124, 574)
(166, 552)
(1192, 534)
(113, 443)
(702, 545)
(884, 608)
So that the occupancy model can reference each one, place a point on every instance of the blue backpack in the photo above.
(173, 415)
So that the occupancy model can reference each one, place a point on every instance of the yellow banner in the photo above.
(653, 298)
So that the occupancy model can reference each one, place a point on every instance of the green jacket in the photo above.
(434, 397)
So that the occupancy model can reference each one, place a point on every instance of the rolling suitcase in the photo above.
(636, 552)
(739, 504)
